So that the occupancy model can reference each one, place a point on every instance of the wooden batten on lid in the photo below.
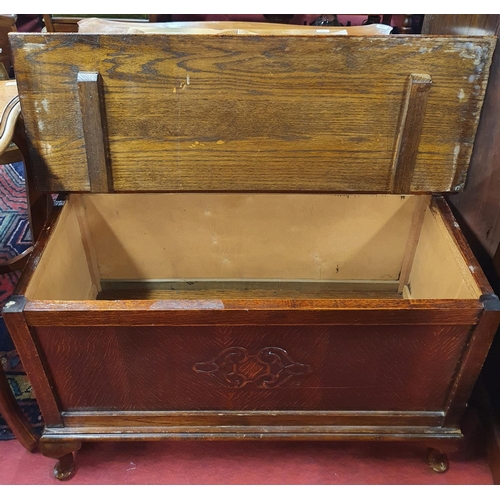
(177, 112)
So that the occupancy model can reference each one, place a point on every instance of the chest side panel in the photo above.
(266, 113)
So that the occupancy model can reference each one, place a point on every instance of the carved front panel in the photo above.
(235, 367)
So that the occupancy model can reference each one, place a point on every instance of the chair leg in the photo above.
(11, 412)
(17, 263)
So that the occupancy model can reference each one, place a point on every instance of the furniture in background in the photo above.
(9, 150)
(404, 24)
(11, 128)
(14, 148)
(29, 23)
(13, 145)
(69, 23)
(7, 25)
(9, 113)
(478, 207)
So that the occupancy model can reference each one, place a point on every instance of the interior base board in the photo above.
(199, 289)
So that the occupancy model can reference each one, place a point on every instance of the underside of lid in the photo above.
(176, 112)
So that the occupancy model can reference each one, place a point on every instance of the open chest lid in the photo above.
(177, 112)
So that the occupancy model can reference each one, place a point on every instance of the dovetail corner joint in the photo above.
(271, 367)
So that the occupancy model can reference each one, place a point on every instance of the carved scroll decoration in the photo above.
(271, 367)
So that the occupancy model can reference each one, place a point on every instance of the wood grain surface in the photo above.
(474, 357)
(444, 438)
(175, 290)
(132, 419)
(263, 312)
(34, 362)
(461, 24)
(38, 248)
(367, 367)
(478, 210)
(249, 113)
(91, 99)
(262, 113)
(411, 122)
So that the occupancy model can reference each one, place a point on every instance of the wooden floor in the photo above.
(229, 289)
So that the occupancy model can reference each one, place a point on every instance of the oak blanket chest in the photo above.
(260, 220)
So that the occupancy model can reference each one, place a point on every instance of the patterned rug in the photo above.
(15, 237)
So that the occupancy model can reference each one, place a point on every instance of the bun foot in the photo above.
(65, 467)
(63, 452)
(437, 460)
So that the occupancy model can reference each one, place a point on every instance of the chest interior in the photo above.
(254, 246)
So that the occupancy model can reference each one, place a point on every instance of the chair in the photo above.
(13, 148)
(7, 24)
(11, 128)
